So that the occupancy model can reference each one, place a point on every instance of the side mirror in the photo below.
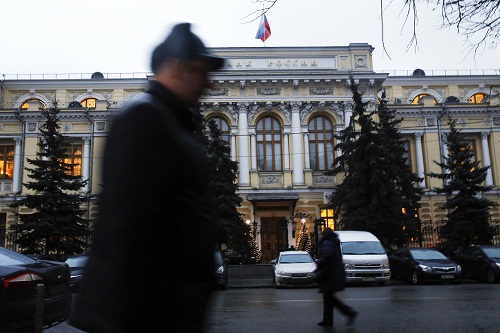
(273, 261)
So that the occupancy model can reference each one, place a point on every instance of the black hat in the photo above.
(181, 43)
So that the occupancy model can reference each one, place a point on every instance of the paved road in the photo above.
(467, 307)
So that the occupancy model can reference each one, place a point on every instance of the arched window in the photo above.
(26, 103)
(268, 144)
(417, 98)
(321, 144)
(477, 98)
(89, 103)
(223, 126)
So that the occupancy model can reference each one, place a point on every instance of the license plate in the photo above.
(447, 276)
(368, 279)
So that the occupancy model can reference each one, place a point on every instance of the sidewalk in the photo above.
(250, 283)
(250, 276)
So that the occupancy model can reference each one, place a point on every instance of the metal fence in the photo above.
(429, 234)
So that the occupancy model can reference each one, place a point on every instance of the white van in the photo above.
(365, 259)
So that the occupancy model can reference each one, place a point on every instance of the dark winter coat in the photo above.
(330, 259)
(151, 265)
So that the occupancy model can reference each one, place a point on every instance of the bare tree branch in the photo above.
(256, 14)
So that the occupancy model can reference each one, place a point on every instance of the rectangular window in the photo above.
(327, 215)
(74, 159)
(6, 161)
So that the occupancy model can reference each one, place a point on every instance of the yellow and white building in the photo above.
(278, 107)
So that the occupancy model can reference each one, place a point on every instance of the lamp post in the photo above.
(438, 123)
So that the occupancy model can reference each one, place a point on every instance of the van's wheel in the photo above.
(491, 277)
(414, 279)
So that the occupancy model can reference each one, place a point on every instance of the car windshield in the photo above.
(77, 261)
(492, 252)
(427, 254)
(295, 259)
(359, 248)
(8, 257)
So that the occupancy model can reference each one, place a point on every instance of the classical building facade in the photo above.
(279, 109)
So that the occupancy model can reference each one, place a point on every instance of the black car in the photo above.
(418, 265)
(221, 268)
(480, 262)
(20, 277)
(76, 265)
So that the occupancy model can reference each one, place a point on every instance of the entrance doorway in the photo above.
(273, 236)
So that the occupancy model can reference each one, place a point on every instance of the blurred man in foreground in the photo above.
(151, 263)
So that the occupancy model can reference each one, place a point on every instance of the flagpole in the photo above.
(263, 14)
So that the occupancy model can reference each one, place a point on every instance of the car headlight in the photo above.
(459, 268)
(498, 264)
(220, 270)
(349, 266)
(384, 265)
(425, 268)
(283, 273)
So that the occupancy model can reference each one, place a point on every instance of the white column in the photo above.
(233, 144)
(307, 161)
(347, 114)
(253, 149)
(286, 148)
(18, 167)
(297, 151)
(243, 154)
(86, 162)
(486, 157)
(420, 158)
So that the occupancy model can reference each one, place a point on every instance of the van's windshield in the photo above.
(357, 248)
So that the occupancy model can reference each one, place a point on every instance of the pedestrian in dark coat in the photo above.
(151, 265)
(331, 268)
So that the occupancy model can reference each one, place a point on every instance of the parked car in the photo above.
(293, 268)
(480, 262)
(221, 268)
(76, 265)
(418, 265)
(19, 277)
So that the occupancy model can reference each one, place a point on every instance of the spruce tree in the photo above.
(54, 223)
(230, 228)
(378, 185)
(468, 212)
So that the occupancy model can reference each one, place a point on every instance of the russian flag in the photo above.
(264, 29)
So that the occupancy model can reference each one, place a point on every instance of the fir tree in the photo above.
(378, 185)
(54, 224)
(468, 212)
(229, 228)
(254, 248)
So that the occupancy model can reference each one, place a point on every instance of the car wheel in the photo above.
(491, 277)
(414, 279)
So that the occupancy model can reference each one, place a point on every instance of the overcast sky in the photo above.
(117, 36)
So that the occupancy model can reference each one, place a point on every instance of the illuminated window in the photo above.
(223, 126)
(321, 144)
(477, 98)
(6, 161)
(25, 105)
(74, 159)
(268, 133)
(417, 98)
(327, 215)
(89, 103)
